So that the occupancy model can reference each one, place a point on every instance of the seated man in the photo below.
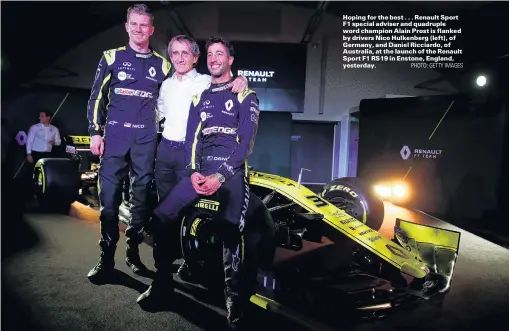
(220, 136)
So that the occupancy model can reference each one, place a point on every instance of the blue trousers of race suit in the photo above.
(170, 166)
(120, 156)
(233, 196)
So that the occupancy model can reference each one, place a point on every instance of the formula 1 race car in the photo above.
(318, 253)
(60, 181)
(321, 253)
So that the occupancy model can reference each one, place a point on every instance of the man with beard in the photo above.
(173, 104)
(125, 90)
(220, 136)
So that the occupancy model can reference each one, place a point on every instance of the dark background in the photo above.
(271, 151)
(282, 92)
(464, 183)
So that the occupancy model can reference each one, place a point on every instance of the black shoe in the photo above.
(160, 292)
(103, 269)
(133, 260)
(185, 272)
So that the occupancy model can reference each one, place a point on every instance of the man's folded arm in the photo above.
(58, 139)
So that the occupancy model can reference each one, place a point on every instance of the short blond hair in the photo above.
(141, 9)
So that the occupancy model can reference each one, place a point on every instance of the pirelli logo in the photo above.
(207, 204)
(81, 140)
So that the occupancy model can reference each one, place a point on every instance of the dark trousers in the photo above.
(233, 196)
(40, 155)
(170, 166)
(121, 156)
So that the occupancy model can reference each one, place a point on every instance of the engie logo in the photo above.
(219, 129)
(417, 153)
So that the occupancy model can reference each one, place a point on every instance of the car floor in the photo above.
(45, 259)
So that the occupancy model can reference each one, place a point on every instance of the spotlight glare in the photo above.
(481, 81)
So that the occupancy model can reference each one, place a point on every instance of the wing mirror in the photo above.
(300, 176)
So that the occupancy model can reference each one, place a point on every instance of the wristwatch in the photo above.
(220, 178)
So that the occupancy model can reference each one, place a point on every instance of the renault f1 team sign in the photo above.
(276, 72)
(257, 76)
(419, 153)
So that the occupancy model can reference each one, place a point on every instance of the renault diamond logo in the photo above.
(152, 71)
(405, 152)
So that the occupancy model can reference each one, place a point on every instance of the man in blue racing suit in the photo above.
(124, 96)
(220, 136)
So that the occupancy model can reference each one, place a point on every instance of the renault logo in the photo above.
(21, 138)
(405, 152)
(152, 71)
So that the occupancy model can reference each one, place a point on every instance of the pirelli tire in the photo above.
(202, 228)
(200, 241)
(353, 195)
(57, 183)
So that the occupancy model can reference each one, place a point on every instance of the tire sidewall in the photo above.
(259, 233)
(191, 220)
(355, 189)
(50, 196)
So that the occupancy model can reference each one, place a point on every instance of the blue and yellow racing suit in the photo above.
(124, 100)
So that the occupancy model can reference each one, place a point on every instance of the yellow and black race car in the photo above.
(311, 253)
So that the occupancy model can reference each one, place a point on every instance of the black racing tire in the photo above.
(354, 196)
(200, 243)
(201, 238)
(57, 183)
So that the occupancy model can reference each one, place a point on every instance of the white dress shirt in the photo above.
(175, 100)
(39, 136)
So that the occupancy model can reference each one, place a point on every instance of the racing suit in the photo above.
(220, 136)
(124, 96)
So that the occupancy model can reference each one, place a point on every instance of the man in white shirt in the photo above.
(173, 104)
(41, 138)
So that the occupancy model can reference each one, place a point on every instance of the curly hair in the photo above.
(226, 43)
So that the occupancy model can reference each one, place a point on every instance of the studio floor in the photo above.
(45, 259)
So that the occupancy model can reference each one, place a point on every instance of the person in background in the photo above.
(173, 105)
(41, 138)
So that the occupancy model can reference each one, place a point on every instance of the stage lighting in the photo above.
(392, 191)
(481, 80)
(383, 191)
